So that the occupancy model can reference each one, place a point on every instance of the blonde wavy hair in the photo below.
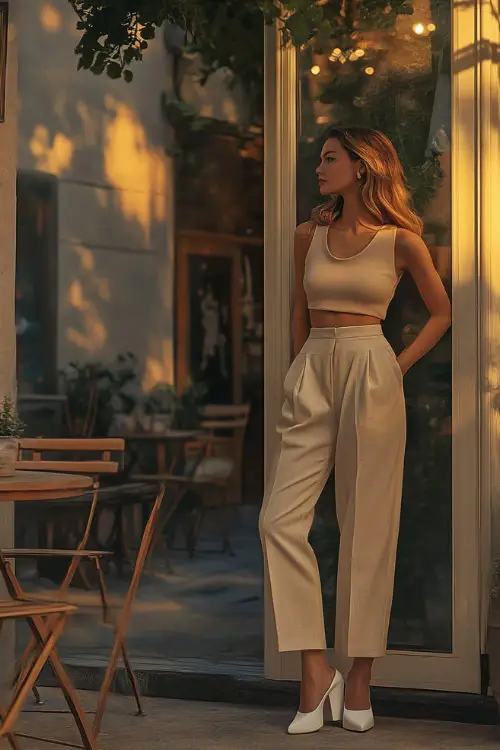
(383, 187)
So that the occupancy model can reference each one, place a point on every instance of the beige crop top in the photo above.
(363, 284)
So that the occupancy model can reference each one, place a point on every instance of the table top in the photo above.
(42, 485)
(167, 435)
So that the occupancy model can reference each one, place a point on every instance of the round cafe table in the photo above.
(39, 486)
(42, 485)
(172, 437)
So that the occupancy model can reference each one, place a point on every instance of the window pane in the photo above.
(392, 72)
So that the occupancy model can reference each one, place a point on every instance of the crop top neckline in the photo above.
(360, 252)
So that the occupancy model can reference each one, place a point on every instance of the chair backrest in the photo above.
(232, 419)
(32, 458)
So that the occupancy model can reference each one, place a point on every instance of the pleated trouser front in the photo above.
(344, 407)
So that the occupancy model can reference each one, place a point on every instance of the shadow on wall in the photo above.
(104, 140)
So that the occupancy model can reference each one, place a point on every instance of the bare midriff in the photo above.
(330, 319)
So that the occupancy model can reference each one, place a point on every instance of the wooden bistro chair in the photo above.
(38, 614)
(212, 474)
(32, 457)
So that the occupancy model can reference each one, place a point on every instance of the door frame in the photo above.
(472, 119)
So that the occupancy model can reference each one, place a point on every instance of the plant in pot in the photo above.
(97, 393)
(11, 429)
(160, 407)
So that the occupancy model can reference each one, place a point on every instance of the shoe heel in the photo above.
(336, 699)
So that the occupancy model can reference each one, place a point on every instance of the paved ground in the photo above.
(180, 725)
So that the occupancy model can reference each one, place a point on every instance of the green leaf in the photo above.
(114, 70)
(299, 29)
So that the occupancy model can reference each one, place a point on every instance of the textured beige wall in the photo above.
(104, 140)
(8, 159)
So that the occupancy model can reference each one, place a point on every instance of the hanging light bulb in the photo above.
(418, 28)
(315, 70)
(369, 70)
(431, 27)
(359, 52)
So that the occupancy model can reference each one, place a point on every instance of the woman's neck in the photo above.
(355, 214)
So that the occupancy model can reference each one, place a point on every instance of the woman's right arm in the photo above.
(301, 323)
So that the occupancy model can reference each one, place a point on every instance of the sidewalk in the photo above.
(187, 725)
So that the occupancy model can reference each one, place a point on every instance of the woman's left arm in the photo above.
(413, 256)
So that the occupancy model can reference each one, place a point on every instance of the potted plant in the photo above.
(160, 407)
(11, 429)
(98, 395)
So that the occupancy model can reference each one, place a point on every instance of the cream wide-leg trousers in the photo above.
(344, 407)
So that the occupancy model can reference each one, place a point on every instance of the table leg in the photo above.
(124, 618)
(161, 457)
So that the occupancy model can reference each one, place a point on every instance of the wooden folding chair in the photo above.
(223, 429)
(33, 457)
(46, 637)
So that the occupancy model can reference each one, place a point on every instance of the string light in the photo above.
(431, 27)
(369, 70)
(315, 70)
(418, 28)
(337, 55)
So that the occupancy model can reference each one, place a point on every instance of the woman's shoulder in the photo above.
(304, 234)
(407, 239)
(305, 230)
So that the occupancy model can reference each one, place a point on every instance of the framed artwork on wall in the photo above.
(4, 24)
(208, 315)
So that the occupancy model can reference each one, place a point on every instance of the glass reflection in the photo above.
(391, 71)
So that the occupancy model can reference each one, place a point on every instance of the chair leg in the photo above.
(47, 642)
(71, 571)
(133, 681)
(70, 695)
(43, 632)
(105, 609)
(193, 529)
(37, 696)
(126, 611)
(11, 738)
(227, 512)
(30, 675)
(102, 590)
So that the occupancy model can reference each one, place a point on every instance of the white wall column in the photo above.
(280, 138)
(488, 150)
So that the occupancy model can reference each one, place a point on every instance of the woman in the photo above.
(344, 407)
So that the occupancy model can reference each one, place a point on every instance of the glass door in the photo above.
(407, 76)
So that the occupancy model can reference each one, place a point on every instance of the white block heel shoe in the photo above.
(312, 721)
(358, 721)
